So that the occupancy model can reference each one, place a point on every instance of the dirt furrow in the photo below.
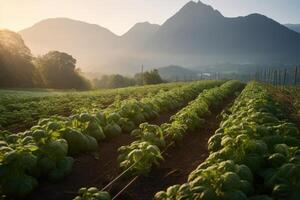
(91, 169)
(179, 162)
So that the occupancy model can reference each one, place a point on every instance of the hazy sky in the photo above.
(120, 15)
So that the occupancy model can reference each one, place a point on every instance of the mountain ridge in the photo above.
(294, 27)
(196, 35)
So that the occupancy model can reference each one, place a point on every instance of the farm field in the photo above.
(197, 140)
(82, 131)
(245, 157)
(22, 109)
(149, 100)
(295, 93)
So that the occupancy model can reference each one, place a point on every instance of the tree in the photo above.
(58, 71)
(149, 77)
(114, 81)
(16, 68)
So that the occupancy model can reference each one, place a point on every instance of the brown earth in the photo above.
(98, 170)
(90, 169)
(180, 161)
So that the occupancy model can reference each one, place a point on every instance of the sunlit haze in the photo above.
(119, 16)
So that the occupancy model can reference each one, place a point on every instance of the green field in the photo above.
(194, 140)
(20, 109)
(295, 93)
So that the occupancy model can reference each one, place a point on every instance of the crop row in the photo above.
(145, 152)
(44, 150)
(254, 155)
(19, 110)
(139, 157)
(295, 92)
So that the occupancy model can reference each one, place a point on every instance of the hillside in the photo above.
(199, 30)
(84, 41)
(139, 34)
(294, 27)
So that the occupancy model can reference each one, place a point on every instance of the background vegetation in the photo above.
(118, 81)
(19, 69)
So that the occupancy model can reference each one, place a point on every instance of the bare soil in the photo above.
(98, 170)
(90, 169)
(180, 161)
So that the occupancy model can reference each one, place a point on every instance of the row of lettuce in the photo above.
(254, 155)
(145, 151)
(139, 157)
(45, 150)
(19, 110)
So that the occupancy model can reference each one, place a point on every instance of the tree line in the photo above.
(119, 81)
(18, 68)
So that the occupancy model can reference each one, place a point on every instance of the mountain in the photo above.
(84, 41)
(95, 47)
(197, 35)
(185, 27)
(141, 32)
(294, 27)
(199, 30)
(66, 34)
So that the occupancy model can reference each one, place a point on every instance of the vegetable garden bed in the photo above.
(91, 169)
(178, 162)
(254, 155)
(46, 148)
(19, 110)
(187, 119)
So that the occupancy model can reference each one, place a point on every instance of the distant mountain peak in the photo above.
(194, 11)
(199, 8)
(144, 25)
(258, 16)
(190, 4)
(63, 22)
(196, 3)
(142, 29)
